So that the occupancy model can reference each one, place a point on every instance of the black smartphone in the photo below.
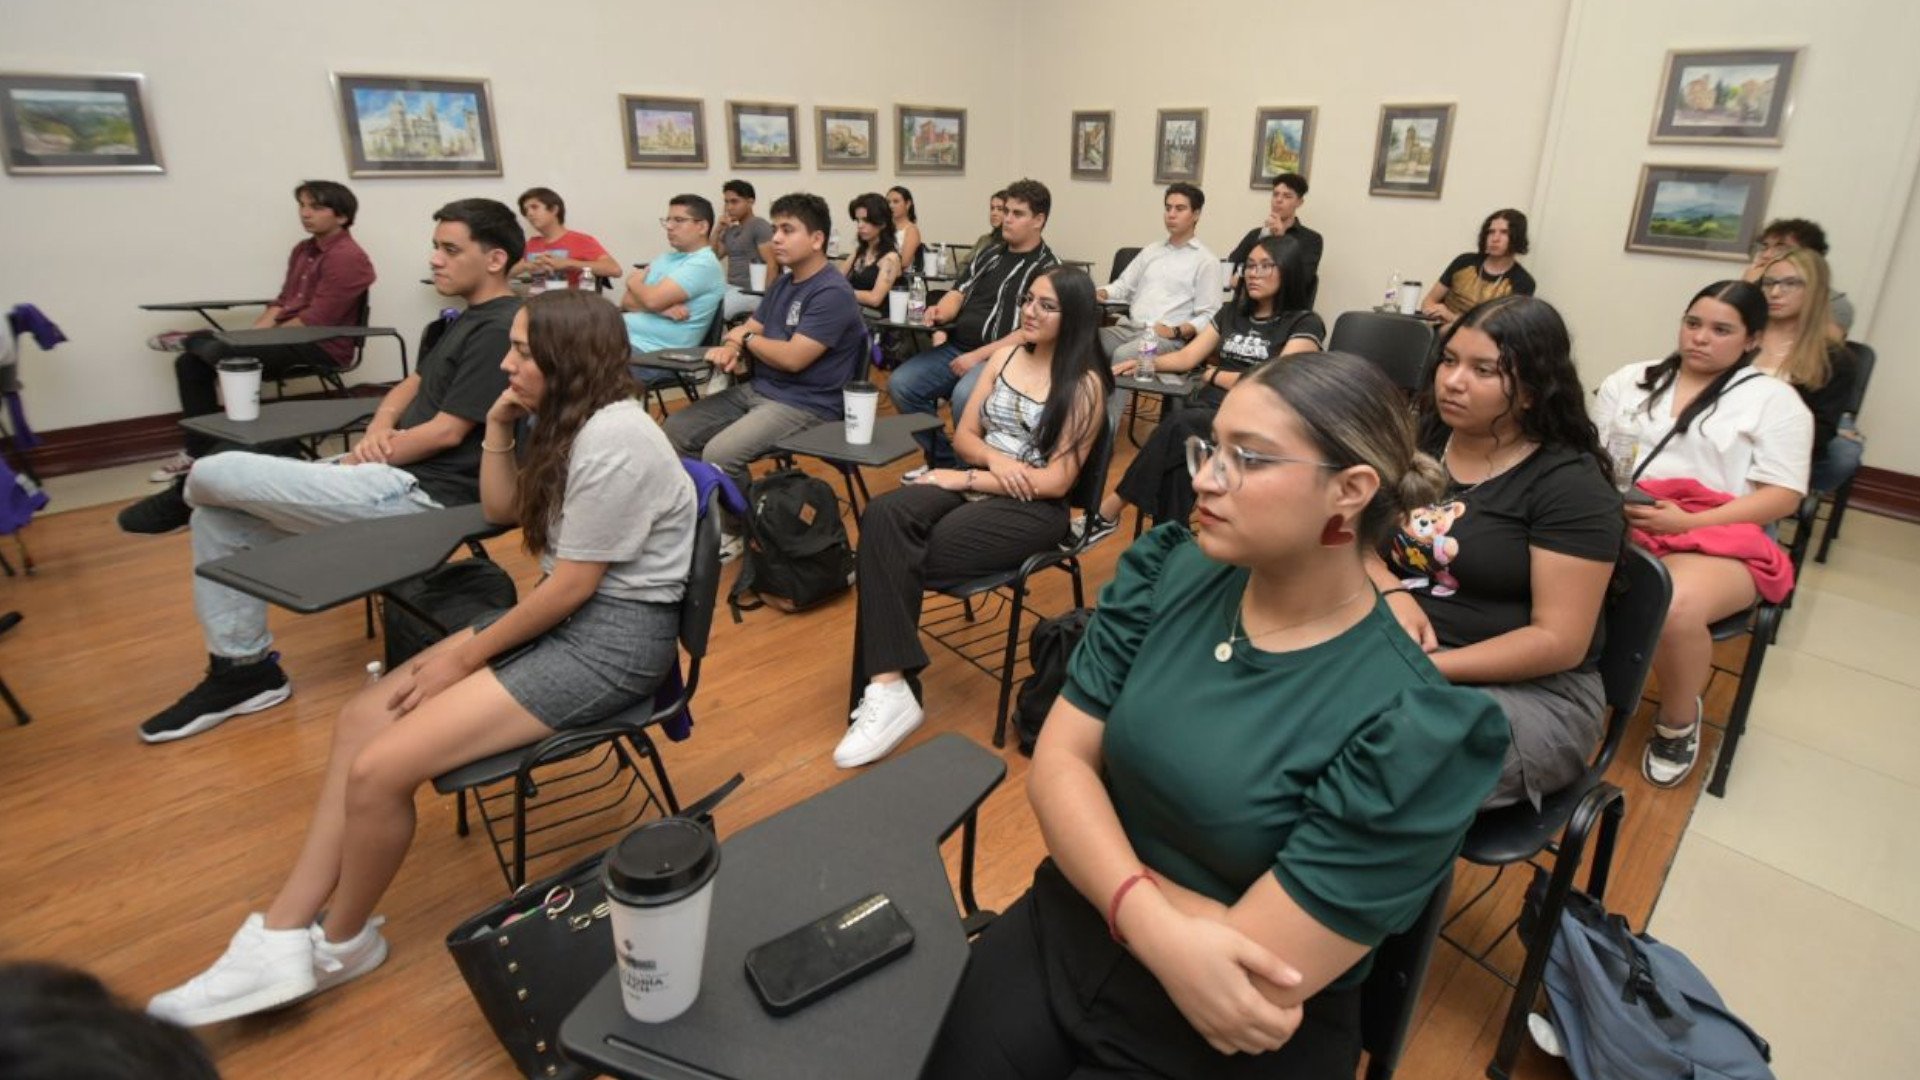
(801, 967)
(1637, 497)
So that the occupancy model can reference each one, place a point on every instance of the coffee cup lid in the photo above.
(861, 386)
(239, 363)
(663, 861)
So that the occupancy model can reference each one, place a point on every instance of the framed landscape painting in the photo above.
(847, 138)
(1410, 153)
(1725, 96)
(407, 126)
(1282, 143)
(1092, 156)
(763, 135)
(930, 139)
(1711, 213)
(76, 124)
(1179, 145)
(664, 132)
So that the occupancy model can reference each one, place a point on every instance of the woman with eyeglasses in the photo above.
(1252, 777)
(1796, 348)
(1023, 440)
(1267, 318)
(1501, 579)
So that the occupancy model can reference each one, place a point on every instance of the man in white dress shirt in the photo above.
(1171, 289)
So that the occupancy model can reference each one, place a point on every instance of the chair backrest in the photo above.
(1863, 358)
(1091, 485)
(716, 328)
(703, 581)
(1398, 344)
(1636, 610)
(1122, 258)
(1392, 989)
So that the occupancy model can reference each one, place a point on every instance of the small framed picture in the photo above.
(1704, 212)
(403, 125)
(1179, 145)
(1410, 154)
(1092, 157)
(76, 124)
(664, 132)
(845, 138)
(1282, 143)
(930, 139)
(763, 135)
(1725, 96)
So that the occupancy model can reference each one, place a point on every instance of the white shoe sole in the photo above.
(271, 997)
(265, 699)
(883, 749)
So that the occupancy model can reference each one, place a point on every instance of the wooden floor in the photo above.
(137, 862)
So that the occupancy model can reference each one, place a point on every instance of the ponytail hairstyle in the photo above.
(1355, 416)
(1069, 407)
(1808, 365)
(579, 343)
(1746, 299)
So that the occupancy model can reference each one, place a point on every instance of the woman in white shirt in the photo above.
(1704, 413)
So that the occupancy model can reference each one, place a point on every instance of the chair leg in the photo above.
(460, 827)
(369, 617)
(20, 716)
(1079, 589)
(1838, 510)
(1766, 623)
(644, 744)
(1006, 663)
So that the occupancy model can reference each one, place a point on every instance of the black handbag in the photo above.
(529, 959)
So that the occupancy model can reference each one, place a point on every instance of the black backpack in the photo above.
(797, 551)
(1049, 648)
(452, 596)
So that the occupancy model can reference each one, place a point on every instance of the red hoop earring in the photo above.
(1336, 532)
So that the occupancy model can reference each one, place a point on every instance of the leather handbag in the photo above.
(529, 959)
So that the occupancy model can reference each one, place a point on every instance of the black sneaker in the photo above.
(1669, 758)
(162, 512)
(1100, 530)
(230, 689)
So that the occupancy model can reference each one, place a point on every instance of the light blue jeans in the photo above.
(917, 386)
(244, 501)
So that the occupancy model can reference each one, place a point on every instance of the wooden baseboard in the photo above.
(1883, 491)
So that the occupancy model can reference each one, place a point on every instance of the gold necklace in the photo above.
(1223, 652)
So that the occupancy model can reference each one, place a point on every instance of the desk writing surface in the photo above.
(691, 360)
(283, 420)
(203, 305)
(318, 570)
(892, 440)
(300, 335)
(1153, 385)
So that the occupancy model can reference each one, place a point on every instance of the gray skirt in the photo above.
(1556, 722)
(606, 657)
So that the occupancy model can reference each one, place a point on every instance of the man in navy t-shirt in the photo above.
(803, 345)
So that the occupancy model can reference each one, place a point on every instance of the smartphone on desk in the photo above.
(799, 968)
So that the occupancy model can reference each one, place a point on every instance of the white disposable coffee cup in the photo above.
(757, 276)
(862, 401)
(659, 881)
(240, 387)
(1409, 298)
(897, 306)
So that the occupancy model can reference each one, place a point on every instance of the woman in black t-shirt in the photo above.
(1491, 271)
(1267, 318)
(1502, 581)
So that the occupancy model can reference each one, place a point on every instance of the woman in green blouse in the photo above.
(1252, 777)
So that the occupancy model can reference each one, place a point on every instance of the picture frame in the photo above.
(847, 138)
(763, 135)
(1700, 211)
(74, 124)
(407, 125)
(1410, 150)
(1282, 143)
(1727, 96)
(929, 140)
(1179, 145)
(1090, 145)
(663, 132)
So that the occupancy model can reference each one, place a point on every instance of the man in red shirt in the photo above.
(328, 275)
(553, 248)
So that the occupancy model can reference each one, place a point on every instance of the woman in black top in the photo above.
(1502, 580)
(1824, 372)
(875, 262)
(1488, 273)
(1267, 318)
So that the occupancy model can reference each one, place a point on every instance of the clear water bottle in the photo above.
(1143, 360)
(1393, 292)
(917, 299)
(373, 672)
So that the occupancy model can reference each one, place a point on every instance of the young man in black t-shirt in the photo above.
(1289, 191)
(421, 451)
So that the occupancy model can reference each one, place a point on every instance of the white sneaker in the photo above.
(336, 964)
(171, 469)
(886, 715)
(731, 545)
(262, 969)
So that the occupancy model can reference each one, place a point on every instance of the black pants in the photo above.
(1048, 996)
(193, 372)
(920, 536)
(1157, 482)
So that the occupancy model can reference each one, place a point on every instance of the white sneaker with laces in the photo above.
(262, 969)
(731, 546)
(887, 714)
(335, 964)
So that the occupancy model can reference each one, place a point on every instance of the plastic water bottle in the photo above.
(374, 669)
(1143, 360)
(917, 299)
(1393, 291)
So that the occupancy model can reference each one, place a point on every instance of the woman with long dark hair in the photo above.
(874, 262)
(1501, 579)
(906, 226)
(1704, 414)
(603, 501)
(1024, 439)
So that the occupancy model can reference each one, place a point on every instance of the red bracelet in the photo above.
(1113, 905)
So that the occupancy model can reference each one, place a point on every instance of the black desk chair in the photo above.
(7, 622)
(1122, 258)
(621, 739)
(690, 384)
(1392, 990)
(1398, 344)
(1863, 358)
(333, 377)
(1565, 822)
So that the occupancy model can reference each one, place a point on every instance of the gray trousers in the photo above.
(728, 430)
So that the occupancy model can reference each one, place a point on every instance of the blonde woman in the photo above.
(1797, 349)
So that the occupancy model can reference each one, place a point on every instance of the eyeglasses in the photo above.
(1048, 307)
(676, 221)
(1782, 284)
(1230, 468)
(1261, 268)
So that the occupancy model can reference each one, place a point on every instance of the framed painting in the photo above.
(399, 125)
(930, 139)
(1410, 151)
(76, 124)
(1092, 149)
(763, 135)
(847, 138)
(1282, 143)
(1737, 96)
(664, 132)
(1704, 212)
(1179, 145)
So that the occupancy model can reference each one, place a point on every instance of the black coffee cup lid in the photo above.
(663, 861)
(239, 363)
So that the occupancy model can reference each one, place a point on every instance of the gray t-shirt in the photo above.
(743, 242)
(629, 504)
